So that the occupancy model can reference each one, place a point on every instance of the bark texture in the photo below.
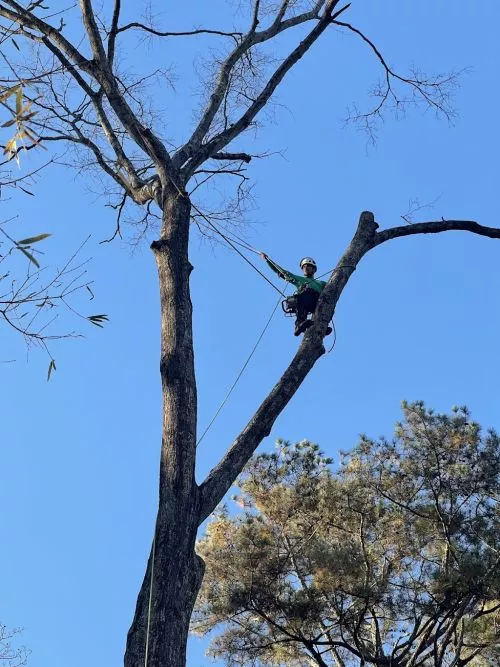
(165, 603)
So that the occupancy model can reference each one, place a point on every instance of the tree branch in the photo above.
(436, 227)
(113, 32)
(99, 70)
(142, 136)
(93, 33)
(30, 21)
(243, 157)
(222, 476)
(251, 39)
(227, 135)
(435, 91)
(187, 33)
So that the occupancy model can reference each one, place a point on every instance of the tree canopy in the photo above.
(390, 559)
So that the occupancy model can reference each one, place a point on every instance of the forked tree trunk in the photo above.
(159, 632)
(158, 635)
(166, 600)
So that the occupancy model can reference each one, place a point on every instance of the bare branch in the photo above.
(250, 40)
(113, 32)
(433, 91)
(98, 69)
(159, 33)
(28, 20)
(437, 227)
(117, 231)
(255, 16)
(226, 136)
(93, 33)
(244, 157)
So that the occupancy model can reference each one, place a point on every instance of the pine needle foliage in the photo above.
(391, 559)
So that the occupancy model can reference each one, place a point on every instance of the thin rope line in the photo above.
(334, 336)
(236, 249)
(226, 398)
(236, 239)
(146, 651)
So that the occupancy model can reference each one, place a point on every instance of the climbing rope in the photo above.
(237, 240)
(230, 243)
(231, 388)
(334, 336)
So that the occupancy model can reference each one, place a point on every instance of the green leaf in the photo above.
(29, 256)
(52, 367)
(33, 239)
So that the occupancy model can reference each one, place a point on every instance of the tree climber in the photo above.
(306, 297)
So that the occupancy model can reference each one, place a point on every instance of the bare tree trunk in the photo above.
(163, 611)
(165, 603)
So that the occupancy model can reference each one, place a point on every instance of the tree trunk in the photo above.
(158, 635)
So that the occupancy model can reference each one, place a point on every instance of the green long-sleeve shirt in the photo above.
(299, 281)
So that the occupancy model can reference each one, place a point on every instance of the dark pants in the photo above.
(306, 303)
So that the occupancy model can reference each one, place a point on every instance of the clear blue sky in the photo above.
(419, 320)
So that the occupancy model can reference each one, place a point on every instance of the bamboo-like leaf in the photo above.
(52, 367)
(29, 256)
(33, 239)
(9, 123)
(15, 44)
(10, 146)
(19, 101)
(30, 115)
(28, 133)
(7, 93)
(98, 320)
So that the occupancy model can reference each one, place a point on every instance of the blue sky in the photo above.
(420, 318)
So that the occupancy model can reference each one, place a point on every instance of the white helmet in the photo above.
(308, 260)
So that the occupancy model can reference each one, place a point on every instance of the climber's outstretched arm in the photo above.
(281, 272)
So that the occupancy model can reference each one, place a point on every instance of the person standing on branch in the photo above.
(308, 290)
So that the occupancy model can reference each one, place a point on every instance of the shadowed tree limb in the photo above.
(222, 476)
(113, 32)
(436, 227)
(244, 157)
